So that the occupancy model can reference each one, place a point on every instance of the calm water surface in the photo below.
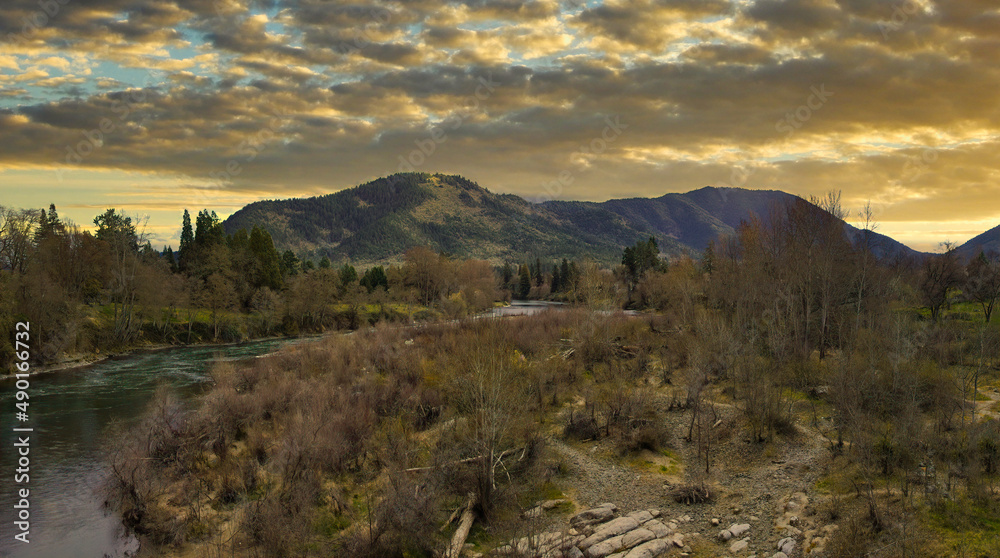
(69, 411)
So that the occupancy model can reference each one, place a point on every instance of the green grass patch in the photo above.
(328, 524)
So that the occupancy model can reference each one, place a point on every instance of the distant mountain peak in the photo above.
(380, 220)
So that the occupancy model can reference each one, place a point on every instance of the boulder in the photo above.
(737, 529)
(637, 537)
(658, 528)
(605, 547)
(610, 529)
(725, 535)
(593, 516)
(650, 549)
(641, 516)
(786, 545)
(738, 546)
(779, 555)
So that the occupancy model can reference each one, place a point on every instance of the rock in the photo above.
(738, 546)
(779, 555)
(605, 547)
(725, 535)
(737, 529)
(573, 552)
(608, 530)
(753, 518)
(599, 514)
(715, 521)
(637, 537)
(686, 519)
(793, 520)
(786, 545)
(654, 512)
(678, 540)
(649, 549)
(658, 528)
(641, 516)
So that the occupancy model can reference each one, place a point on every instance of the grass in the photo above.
(966, 527)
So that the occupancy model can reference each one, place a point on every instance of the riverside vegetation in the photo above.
(817, 400)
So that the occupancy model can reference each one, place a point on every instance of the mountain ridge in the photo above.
(376, 222)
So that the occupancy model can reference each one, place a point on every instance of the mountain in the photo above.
(987, 242)
(380, 220)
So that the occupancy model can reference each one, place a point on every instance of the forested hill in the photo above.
(380, 220)
(987, 242)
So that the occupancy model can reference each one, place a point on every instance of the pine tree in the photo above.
(168, 255)
(524, 283)
(187, 240)
(289, 263)
(54, 225)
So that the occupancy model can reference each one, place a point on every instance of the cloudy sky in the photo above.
(157, 105)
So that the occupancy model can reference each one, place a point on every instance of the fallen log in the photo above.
(464, 526)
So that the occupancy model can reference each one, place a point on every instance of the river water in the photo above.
(69, 411)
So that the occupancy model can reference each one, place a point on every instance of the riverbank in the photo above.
(76, 362)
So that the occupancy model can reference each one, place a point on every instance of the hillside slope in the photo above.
(987, 242)
(380, 220)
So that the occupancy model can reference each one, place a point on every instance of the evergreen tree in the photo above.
(375, 277)
(325, 263)
(348, 275)
(207, 229)
(556, 280)
(168, 255)
(507, 274)
(43, 228)
(289, 264)
(54, 225)
(708, 258)
(565, 279)
(539, 276)
(524, 283)
(187, 240)
(114, 227)
(266, 267)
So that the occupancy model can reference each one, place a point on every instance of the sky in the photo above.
(153, 106)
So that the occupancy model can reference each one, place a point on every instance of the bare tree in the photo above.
(982, 283)
(940, 274)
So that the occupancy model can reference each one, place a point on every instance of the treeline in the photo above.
(87, 292)
(786, 337)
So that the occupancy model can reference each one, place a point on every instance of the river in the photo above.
(69, 411)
